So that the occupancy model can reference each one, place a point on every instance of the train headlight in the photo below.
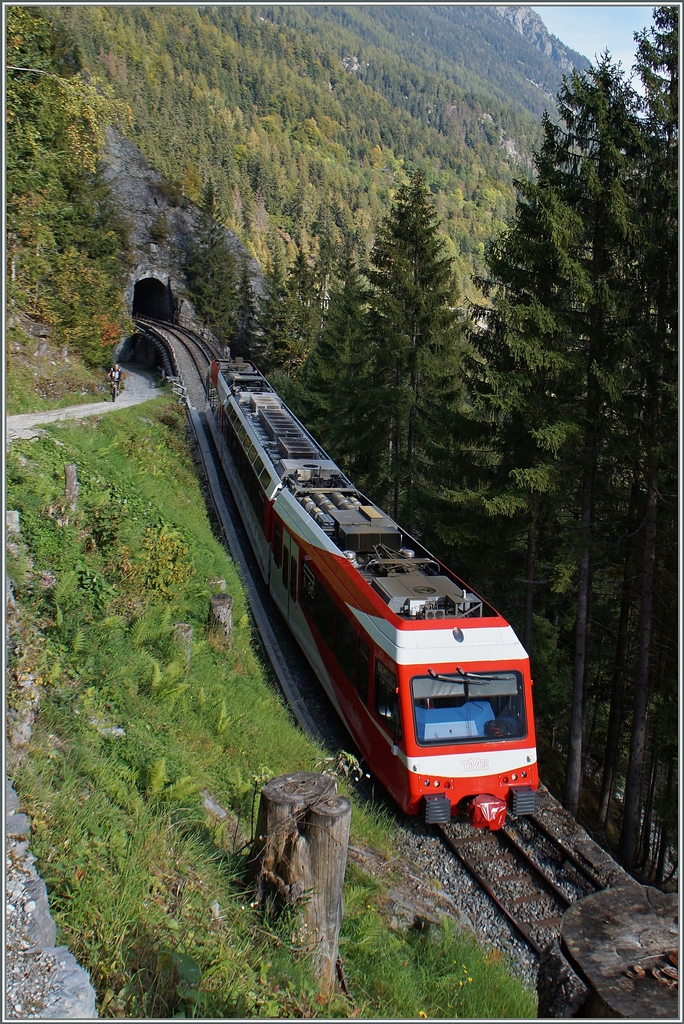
(514, 777)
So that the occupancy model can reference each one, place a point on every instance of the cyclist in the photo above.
(114, 378)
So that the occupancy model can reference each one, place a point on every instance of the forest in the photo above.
(474, 311)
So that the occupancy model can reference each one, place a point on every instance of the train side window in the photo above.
(345, 646)
(362, 667)
(325, 616)
(386, 702)
(293, 578)
(277, 543)
(286, 570)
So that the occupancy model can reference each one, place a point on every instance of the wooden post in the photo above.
(71, 488)
(12, 521)
(182, 634)
(221, 615)
(299, 857)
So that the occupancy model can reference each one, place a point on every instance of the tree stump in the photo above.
(71, 485)
(182, 634)
(221, 615)
(299, 857)
(620, 940)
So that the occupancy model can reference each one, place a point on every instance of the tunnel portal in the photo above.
(153, 298)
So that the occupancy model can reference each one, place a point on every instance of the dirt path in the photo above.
(140, 385)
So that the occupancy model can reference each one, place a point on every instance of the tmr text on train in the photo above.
(431, 682)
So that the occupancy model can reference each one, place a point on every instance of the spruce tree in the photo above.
(291, 317)
(212, 272)
(340, 383)
(413, 332)
(656, 309)
(246, 314)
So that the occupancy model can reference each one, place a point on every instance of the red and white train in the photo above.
(432, 683)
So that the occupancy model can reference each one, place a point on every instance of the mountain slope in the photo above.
(306, 119)
(528, 23)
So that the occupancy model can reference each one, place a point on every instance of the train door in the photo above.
(280, 566)
(388, 739)
(290, 572)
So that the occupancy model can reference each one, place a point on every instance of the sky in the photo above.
(592, 28)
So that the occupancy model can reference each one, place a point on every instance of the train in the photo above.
(431, 682)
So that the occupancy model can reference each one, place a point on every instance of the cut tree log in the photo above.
(182, 634)
(221, 615)
(298, 860)
(71, 485)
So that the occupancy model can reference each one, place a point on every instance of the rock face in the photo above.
(528, 23)
(162, 227)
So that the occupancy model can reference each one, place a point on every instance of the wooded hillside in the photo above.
(307, 120)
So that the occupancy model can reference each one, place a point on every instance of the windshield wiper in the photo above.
(469, 676)
(467, 679)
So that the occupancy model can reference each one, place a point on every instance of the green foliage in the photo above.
(570, 367)
(425, 972)
(413, 328)
(66, 249)
(306, 119)
(212, 272)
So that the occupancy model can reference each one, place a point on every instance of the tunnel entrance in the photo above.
(153, 298)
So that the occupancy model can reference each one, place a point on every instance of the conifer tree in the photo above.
(340, 383)
(413, 331)
(656, 372)
(212, 271)
(246, 314)
(291, 317)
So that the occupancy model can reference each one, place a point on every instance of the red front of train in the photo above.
(450, 735)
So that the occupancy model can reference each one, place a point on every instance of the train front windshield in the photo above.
(467, 706)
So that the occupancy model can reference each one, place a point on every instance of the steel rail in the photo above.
(507, 848)
(184, 334)
(165, 331)
(568, 855)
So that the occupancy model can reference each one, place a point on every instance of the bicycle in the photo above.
(114, 389)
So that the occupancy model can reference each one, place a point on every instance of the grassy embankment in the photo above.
(41, 376)
(146, 889)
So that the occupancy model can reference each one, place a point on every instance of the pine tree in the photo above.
(413, 332)
(246, 314)
(657, 367)
(291, 317)
(340, 384)
(553, 356)
(212, 272)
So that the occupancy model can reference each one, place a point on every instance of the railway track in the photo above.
(192, 354)
(528, 873)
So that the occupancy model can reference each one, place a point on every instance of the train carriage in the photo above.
(431, 682)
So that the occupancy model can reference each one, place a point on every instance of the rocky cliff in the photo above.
(528, 23)
(162, 226)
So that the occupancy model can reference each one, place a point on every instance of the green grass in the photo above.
(147, 890)
(40, 378)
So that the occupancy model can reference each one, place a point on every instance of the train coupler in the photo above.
(487, 811)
